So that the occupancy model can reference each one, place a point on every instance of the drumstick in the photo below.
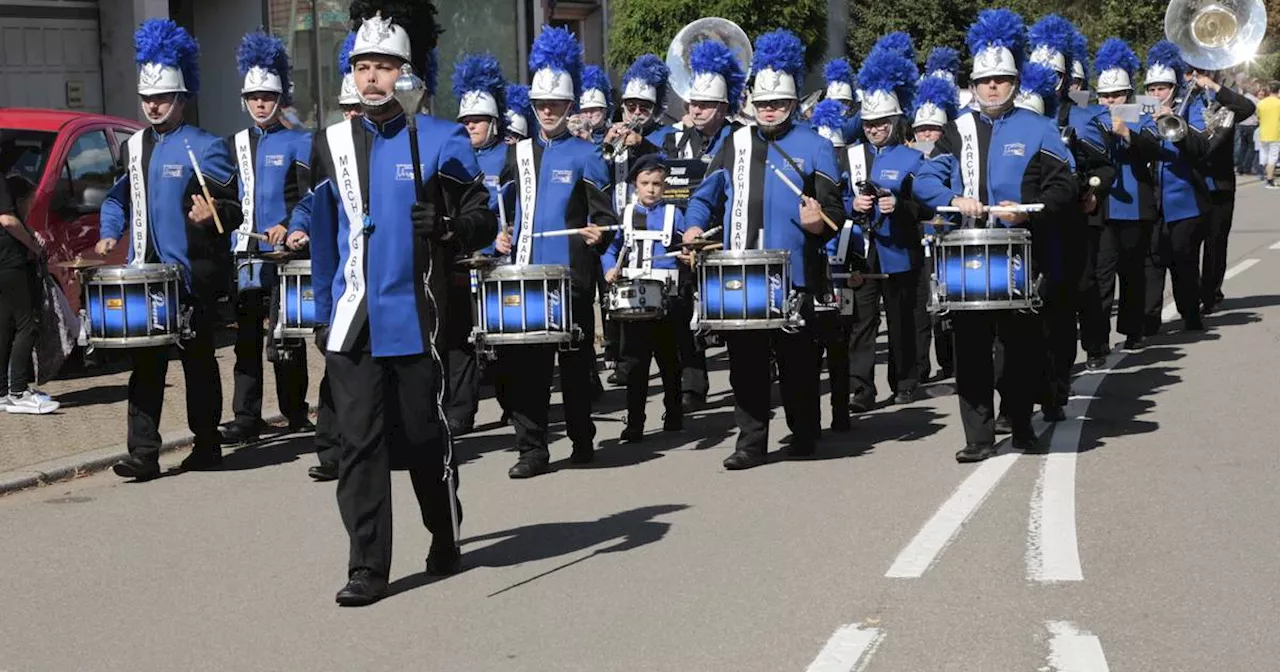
(205, 187)
(999, 209)
(792, 185)
(713, 246)
(569, 232)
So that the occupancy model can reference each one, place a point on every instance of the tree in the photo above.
(648, 26)
(930, 22)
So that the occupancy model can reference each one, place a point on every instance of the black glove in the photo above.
(322, 338)
(427, 223)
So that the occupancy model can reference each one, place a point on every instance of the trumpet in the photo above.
(608, 149)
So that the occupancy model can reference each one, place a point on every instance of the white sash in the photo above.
(646, 237)
(621, 161)
(347, 180)
(528, 198)
(244, 156)
(842, 246)
(857, 173)
(741, 176)
(970, 171)
(137, 200)
(686, 152)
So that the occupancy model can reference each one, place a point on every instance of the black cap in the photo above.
(655, 161)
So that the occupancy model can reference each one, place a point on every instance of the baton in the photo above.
(999, 209)
(570, 232)
(792, 186)
(204, 187)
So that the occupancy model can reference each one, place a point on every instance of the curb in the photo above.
(90, 462)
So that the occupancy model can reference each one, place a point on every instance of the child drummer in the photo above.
(652, 231)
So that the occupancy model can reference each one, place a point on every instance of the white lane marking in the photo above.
(1243, 266)
(1073, 651)
(1274, 246)
(942, 528)
(849, 649)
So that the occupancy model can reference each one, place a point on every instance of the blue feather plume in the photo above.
(1055, 32)
(943, 58)
(651, 70)
(267, 52)
(1116, 53)
(1166, 53)
(1041, 80)
(838, 70)
(1080, 51)
(781, 51)
(887, 70)
(431, 74)
(344, 53)
(480, 72)
(714, 56)
(897, 42)
(940, 91)
(998, 28)
(165, 42)
(558, 50)
(828, 114)
(594, 77)
(517, 96)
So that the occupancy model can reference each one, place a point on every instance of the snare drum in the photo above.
(744, 289)
(253, 273)
(133, 306)
(983, 269)
(297, 300)
(637, 299)
(520, 304)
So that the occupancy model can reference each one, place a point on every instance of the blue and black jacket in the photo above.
(1132, 197)
(894, 237)
(281, 176)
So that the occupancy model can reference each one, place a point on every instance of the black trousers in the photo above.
(19, 310)
(751, 378)
(1213, 269)
(1023, 379)
(203, 395)
(328, 438)
(388, 418)
(1175, 249)
(900, 292)
(1120, 249)
(525, 374)
(693, 347)
(462, 396)
(642, 342)
(929, 329)
(253, 306)
(834, 335)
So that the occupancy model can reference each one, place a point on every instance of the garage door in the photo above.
(49, 55)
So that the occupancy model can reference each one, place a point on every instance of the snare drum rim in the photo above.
(296, 267)
(745, 257)
(135, 341)
(133, 274)
(983, 237)
(529, 272)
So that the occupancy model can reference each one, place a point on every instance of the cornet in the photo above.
(608, 149)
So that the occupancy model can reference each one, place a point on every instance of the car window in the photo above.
(89, 165)
(23, 154)
(122, 137)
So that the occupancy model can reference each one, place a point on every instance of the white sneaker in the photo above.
(31, 403)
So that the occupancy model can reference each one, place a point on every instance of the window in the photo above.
(90, 165)
(25, 153)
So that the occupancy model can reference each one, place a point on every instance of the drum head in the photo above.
(139, 273)
(743, 257)
(534, 272)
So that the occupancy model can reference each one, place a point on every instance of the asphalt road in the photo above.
(1146, 540)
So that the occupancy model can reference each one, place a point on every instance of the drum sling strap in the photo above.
(349, 149)
(970, 159)
(244, 160)
(527, 175)
(137, 199)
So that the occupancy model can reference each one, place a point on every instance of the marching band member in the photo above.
(479, 86)
(1074, 235)
(348, 96)
(595, 107)
(1079, 62)
(651, 228)
(273, 176)
(380, 242)
(1177, 236)
(758, 210)
(159, 204)
(561, 183)
(1130, 209)
(644, 97)
(881, 171)
(840, 88)
(715, 94)
(1023, 160)
(518, 113)
(844, 252)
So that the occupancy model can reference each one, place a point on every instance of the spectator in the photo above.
(1246, 152)
(20, 255)
(1269, 132)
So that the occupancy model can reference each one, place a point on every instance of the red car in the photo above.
(73, 158)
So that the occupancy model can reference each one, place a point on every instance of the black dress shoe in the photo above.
(945, 373)
(303, 426)
(691, 401)
(1095, 362)
(444, 560)
(840, 420)
(583, 454)
(1053, 413)
(802, 447)
(1025, 440)
(1193, 324)
(672, 421)
(617, 378)
(741, 459)
(975, 452)
(203, 458)
(1133, 343)
(1003, 426)
(862, 402)
(1208, 309)
(137, 468)
(237, 433)
(362, 589)
(633, 434)
(905, 397)
(528, 469)
(323, 472)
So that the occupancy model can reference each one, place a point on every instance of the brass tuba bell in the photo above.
(709, 28)
(1215, 34)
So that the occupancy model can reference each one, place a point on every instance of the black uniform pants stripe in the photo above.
(1175, 249)
(900, 292)
(525, 375)
(1214, 261)
(642, 342)
(386, 407)
(203, 390)
(750, 377)
(975, 335)
(253, 306)
(462, 397)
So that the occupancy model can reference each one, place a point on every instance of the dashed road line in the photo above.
(849, 649)
(1071, 650)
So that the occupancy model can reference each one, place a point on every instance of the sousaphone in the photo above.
(710, 28)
